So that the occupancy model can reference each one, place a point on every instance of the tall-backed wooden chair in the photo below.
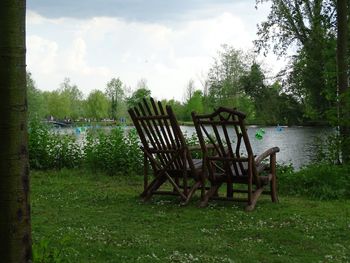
(232, 164)
(165, 149)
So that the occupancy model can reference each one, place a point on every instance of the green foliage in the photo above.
(308, 27)
(38, 144)
(64, 151)
(137, 96)
(44, 252)
(96, 105)
(317, 181)
(73, 96)
(269, 104)
(224, 76)
(195, 103)
(178, 108)
(65, 102)
(37, 108)
(49, 150)
(328, 150)
(237, 80)
(115, 94)
(114, 152)
(192, 140)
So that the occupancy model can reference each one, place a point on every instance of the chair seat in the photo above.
(243, 178)
(197, 163)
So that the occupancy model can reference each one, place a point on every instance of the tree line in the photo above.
(235, 79)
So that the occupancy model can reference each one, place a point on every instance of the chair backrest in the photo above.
(160, 135)
(225, 132)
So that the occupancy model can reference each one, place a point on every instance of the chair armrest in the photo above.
(266, 154)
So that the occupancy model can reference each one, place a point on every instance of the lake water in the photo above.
(297, 144)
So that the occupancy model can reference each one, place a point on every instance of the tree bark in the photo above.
(342, 45)
(15, 227)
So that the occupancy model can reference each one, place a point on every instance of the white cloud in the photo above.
(42, 53)
(92, 51)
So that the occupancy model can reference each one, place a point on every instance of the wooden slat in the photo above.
(170, 133)
(150, 133)
(154, 117)
(157, 131)
(231, 155)
(160, 123)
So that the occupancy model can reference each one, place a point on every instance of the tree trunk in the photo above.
(342, 42)
(15, 229)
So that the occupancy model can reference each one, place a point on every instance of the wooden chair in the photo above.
(165, 149)
(232, 165)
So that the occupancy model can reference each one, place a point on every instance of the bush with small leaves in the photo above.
(318, 181)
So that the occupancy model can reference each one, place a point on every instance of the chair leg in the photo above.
(152, 187)
(149, 186)
(255, 196)
(273, 183)
(191, 192)
(273, 189)
(211, 192)
(202, 190)
(229, 191)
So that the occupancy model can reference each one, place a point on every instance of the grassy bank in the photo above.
(83, 217)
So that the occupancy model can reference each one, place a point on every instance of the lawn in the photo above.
(82, 217)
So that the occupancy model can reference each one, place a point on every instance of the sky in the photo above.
(165, 42)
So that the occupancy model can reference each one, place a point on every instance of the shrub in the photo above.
(49, 150)
(65, 152)
(327, 150)
(38, 141)
(114, 152)
(318, 181)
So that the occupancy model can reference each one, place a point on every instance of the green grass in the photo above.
(83, 217)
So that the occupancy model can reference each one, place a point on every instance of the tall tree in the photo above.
(137, 96)
(37, 106)
(190, 89)
(142, 91)
(97, 105)
(308, 27)
(342, 56)
(115, 93)
(15, 227)
(224, 79)
(71, 94)
(65, 102)
(195, 103)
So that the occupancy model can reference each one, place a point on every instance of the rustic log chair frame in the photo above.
(227, 165)
(165, 149)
